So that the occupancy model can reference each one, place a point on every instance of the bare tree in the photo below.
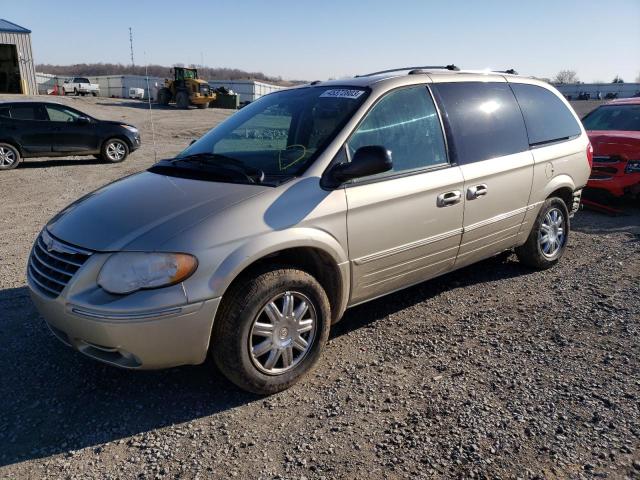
(207, 73)
(617, 79)
(566, 76)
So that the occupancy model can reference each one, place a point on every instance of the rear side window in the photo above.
(547, 118)
(27, 112)
(484, 119)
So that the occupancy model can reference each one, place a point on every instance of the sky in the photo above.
(316, 40)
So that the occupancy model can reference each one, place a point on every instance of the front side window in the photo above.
(405, 122)
(547, 118)
(61, 114)
(280, 134)
(614, 117)
(484, 119)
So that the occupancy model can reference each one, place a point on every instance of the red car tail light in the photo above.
(590, 155)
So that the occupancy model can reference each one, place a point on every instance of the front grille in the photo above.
(599, 159)
(53, 263)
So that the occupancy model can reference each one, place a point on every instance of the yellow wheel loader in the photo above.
(185, 89)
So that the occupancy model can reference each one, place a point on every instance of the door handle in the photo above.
(477, 191)
(448, 198)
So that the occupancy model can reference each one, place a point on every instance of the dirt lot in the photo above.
(493, 371)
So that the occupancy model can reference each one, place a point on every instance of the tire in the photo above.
(182, 100)
(94, 94)
(164, 96)
(114, 150)
(234, 339)
(538, 254)
(202, 106)
(75, 92)
(9, 156)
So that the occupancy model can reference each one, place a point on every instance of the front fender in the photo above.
(259, 247)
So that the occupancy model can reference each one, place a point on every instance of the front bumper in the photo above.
(608, 173)
(147, 339)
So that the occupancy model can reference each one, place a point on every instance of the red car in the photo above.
(614, 131)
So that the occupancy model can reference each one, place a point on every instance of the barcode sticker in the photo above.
(342, 93)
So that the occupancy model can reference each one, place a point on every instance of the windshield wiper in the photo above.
(255, 175)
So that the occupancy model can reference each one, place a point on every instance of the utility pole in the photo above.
(133, 64)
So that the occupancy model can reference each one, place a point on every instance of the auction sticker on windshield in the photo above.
(342, 93)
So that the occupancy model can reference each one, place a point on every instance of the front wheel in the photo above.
(548, 238)
(114, 150)
(182, 100)
(271, 330)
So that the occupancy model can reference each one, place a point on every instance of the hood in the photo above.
(621, 143)
(141, 211)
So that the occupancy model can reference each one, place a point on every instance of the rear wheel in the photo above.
(75, 92)
(95, 94)
(271, 330)
(548, 238)
(202, 106)
(182, 100)
(114, 150)
(9, 156)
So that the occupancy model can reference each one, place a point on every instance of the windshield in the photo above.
(280, 134)
(613, 117)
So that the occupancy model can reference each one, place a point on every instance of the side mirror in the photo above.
(192, 142)
(84, 120)
(368, 160)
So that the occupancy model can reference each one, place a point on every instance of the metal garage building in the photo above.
(17, 72)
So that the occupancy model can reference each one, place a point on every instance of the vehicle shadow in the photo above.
(59, 162)
(55, 400)
(597, 223)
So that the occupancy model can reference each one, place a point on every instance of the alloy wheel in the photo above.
(116, 151)
(552, 235)
(282, 333)
(7, 157)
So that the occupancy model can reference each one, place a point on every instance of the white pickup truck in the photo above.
(80, 86)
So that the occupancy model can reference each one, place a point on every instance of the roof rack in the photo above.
(413, 69)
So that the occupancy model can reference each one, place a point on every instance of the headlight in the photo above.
(126, 272)
(130, 128)
(633, 166)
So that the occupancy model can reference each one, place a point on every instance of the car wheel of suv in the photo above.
(271, 330)
(114, 150)
(9, 156)
(75, 92)
(548, 238)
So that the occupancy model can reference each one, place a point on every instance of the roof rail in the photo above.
(428, 67)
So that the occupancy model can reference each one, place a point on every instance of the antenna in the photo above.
(133, 64)
(153, 128)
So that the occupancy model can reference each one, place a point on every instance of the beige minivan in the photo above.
(255, 239)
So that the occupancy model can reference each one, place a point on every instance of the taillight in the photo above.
(590, 155)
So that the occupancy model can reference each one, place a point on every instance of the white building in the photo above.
(247, 90)
(573, 90)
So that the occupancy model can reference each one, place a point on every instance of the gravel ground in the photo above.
(493, 371)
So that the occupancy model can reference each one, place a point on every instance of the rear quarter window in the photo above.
(546, 116)
(484, 120)
(27, 112)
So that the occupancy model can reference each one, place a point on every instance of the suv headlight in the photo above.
(126, 272)
(633, 166)
(130, 128)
